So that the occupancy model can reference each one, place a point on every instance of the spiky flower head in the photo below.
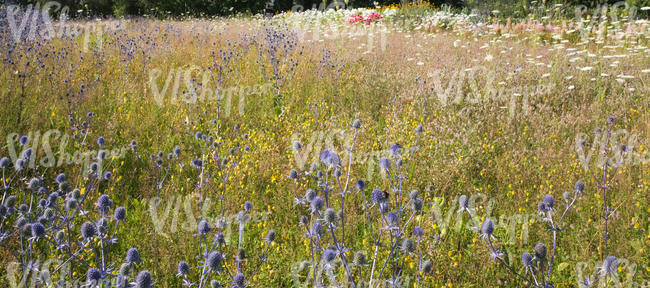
(239, 281)
(316, 230)
(38, 230)
(104, 202)
(270, 236)
(329, 255)
(395, 150)
(360, 258)
(392, 218)
(4, 163)
(143, 280)
(378, 196)
(419, 129)
(407, 245)
(60, 178)
(540, 251)
(330, 215)
(384, 163)
(248, 206)
(487, 229)
(426, 266)
(549, 201)
(214, 261)
(119, 214)
(610, 264)
(93, 276)
(579, 186)
(183, 268)
(133, 256)
(88, 230)
(293, 174)
(124, 269)
(23, 140)
(296, 146)
(356, 124)
(316, 204)
(204, 227)
(330, 158)
(418, 232)
(527, 259)
(309, 195)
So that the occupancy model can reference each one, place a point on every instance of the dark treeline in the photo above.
(209, 8)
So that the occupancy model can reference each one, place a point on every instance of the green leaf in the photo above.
(562, 266)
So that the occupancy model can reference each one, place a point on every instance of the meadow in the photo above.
(216, 137)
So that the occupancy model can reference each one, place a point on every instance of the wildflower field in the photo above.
(394, 146)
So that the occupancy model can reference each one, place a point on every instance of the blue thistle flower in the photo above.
(119, 214)
(4, 163)
(104, 202)
(198, 135)
(361, 186)
(540, 251)
(177, 151)
(316, 230)
(23, 140)
(316, 204)
(610, 264)
(419, 129)
(248, 206)
(143, 280)
(395, 150)
(418, 232)
(204, 227)
(239, 281)
(487, 229)
(356, 124)
(93, 276)
(527, 259)
(133, 256)
(293, 174)
(392, 218)
(296, 146)
(88, 230)
(549, 201)
(20, 164)
(107, 175)
(378, 196)
(214, 261)
(197, 163)
(270, 236)
(101, 141)
(329, 255)
(579, 186)
(60, 178)
(38, 230)
(183, 268)
(384, 163)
